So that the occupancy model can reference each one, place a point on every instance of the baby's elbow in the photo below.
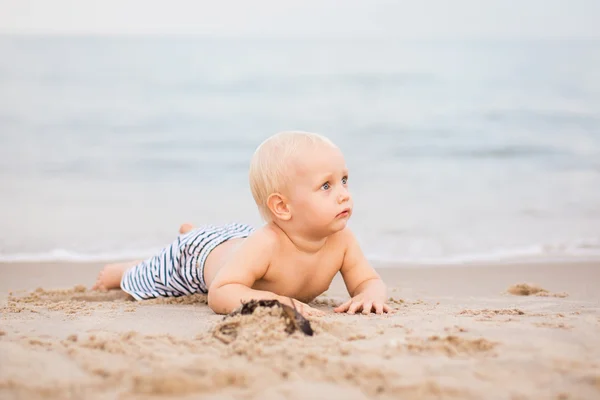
(212, 300)
(215, 303)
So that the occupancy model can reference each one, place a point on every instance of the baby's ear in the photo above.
(278, 205)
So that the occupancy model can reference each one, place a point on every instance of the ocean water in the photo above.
(458, 151)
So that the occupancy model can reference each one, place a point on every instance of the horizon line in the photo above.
(213, 35)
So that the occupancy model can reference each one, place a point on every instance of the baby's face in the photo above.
(319, 196)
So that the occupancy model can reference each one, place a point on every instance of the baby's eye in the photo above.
(344, 180)
(325, 186)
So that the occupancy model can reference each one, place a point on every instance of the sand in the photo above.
(481, 331)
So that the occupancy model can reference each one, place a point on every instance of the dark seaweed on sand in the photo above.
(227, 332)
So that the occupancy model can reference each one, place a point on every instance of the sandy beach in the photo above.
(457, 332)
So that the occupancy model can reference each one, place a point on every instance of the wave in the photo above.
(72, 256)
(577, 250)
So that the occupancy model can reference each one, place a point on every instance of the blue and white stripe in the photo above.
(178, 270)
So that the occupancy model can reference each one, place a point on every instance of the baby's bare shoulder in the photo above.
(343, 238)
(265, 237)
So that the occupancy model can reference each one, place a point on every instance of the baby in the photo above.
(299, 181)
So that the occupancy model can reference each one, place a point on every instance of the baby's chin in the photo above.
(330, 227)
(339, 224)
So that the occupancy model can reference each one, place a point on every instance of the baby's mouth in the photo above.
(344, 213)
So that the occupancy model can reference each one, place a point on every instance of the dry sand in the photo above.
(458, 332)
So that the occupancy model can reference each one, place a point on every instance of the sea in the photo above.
(477, 151)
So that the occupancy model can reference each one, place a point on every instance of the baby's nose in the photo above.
(344, 195)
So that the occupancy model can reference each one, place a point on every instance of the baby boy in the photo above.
(299, 181)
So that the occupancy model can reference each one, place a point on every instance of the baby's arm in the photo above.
(364, 285)
(233, 283)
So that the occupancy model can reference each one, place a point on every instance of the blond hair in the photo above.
(270, 164)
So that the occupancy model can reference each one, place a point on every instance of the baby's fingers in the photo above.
(367, 307)
(301, 308)
(379, 308)
(343, 307)
(387, 309)
(305, 310)
(355, 307)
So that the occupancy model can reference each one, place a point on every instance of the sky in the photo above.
(308, 18)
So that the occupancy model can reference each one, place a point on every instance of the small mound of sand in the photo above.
(559, 325)
(320, 301)
(396, 301)
(184, 382)
(547, 294)
(490, 313)
(525, 289)
(12, 308)
(456, 329)
(41, 297)
(75, 301)
(196, 298)
(333, 329)
(450, 345)
(108, 345)
(264, 325)
(161, 384)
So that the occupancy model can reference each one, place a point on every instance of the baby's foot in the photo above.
(185, 228)
(110, 276)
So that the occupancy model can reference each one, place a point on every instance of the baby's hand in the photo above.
(302, 308)
(366, 303)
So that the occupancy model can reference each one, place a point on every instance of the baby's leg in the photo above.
(111, 274)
